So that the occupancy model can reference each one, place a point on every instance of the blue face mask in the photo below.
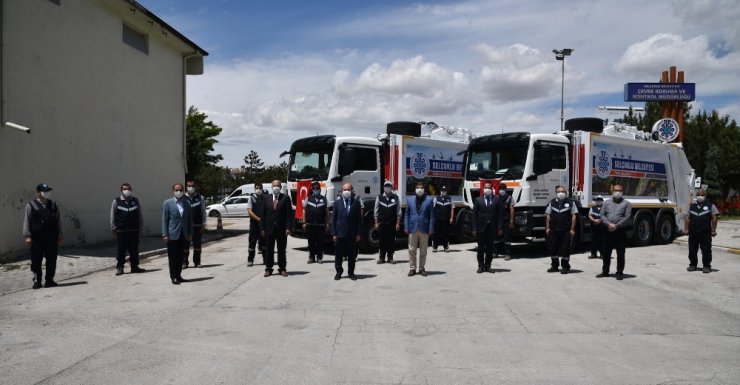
(317, 192)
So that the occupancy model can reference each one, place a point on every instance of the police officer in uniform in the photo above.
(598, 228)
(387, 213)
(560, 229)
(701, 226)
(126, 223)
(503, 246)
(315, 222)
(198, 211)
(42, 231)
(444, 214)
(256, 210)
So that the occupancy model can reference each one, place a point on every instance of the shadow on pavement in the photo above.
(297, 273)
(365, 276)
(436, 272)
(502, 270)
(71, 283)
(198, 279)
(211, 265)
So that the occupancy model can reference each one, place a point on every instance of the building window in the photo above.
(135, 39)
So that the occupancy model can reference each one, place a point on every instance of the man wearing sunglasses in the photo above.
(701, 226)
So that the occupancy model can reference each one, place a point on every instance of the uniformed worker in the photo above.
(256, 210)
(42, 231)
(560, 228)
(387, 214)
(198, 211)
(701, 226)
(444, 215)
(503, 244)
(126, 223)
(315, 222)
(616, 214)
(598, 228)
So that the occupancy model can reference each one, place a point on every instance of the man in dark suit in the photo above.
(486, 225)
(275, 227)
(345, 229)
(177, 228)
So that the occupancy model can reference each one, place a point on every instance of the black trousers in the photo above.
(503, 244)
(255, 239)
(387, 233)
(597, 238)
(175, 254)
(345, 247)
(197, 242)
(441, 236)
(279, 238)
(559, 243)
(315, 236)
(128, 241)
(614, 240)
(44, 247)
(703, 240)
(485, 239)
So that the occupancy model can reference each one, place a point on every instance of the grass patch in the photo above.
(11, 267)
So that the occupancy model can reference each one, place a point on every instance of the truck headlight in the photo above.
(520, 219)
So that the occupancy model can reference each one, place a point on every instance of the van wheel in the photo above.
(643, 230)
(666, 230)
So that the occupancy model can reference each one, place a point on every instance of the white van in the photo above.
(248, 189)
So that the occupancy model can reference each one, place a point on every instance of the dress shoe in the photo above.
(412, 273)
(119, 271)
(311, 260)
(507, 257)
(447, 249)
(706, 269)
(423, 273)
(552, 269)
(320, 260)
(50, 283)
(175, 281)
(434, 249)
(36, 285)
(490, 270)
(284, 273)
(197, 266)
(337, 277)
(181, 279)
(184, 265)
(691, 268)
(564, 271)
(353, 277)
(137, 270)
(391, 261)
(620, 276)
(381, 261)
(602, 275)
(592, 256)
(250, 263)
(268, 273)
(480, 270)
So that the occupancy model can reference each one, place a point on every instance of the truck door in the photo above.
(555, 158)
(361, 167)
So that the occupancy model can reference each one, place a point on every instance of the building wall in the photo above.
(101, 113)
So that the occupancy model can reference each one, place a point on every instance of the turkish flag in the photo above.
(494, 185)
(303, 188)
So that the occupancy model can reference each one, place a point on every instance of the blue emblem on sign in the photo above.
(603, 164)
(419, 165)
(667, 129)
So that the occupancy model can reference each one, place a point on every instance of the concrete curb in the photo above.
(719, 249)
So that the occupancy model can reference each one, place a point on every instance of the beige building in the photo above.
(101, 86)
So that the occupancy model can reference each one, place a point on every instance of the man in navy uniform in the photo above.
(42, 232)
(598, 228)
(486, 225)
(444, 214)
(126, 223)
(345, 230)
(503, 248)
(387, 215)
(198, 209)
(701, 226)
(560, 228)
(256, 210)
(275, 227)
(315, 222)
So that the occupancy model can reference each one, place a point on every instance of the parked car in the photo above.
(230, 207)
(248, 189)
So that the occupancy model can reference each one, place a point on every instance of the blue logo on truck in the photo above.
(603, 164)
(419, 165)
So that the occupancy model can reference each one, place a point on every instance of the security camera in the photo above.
(18, 127)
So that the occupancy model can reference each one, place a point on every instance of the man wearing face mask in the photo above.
(615, 214)
(598, 228)
(486, 225)
(444, 214)
(177, 228)
(701, 226)
(419, 225)
(198, 210)
(126, 223)
(387, 213)
(42, 232)
(275, 227)
(315, 223)
(346, 225)
(507, 223)
(560, 228)
(256, 210)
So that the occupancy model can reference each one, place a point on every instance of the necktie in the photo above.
(346, 205)
(488, 201)
(274, 202)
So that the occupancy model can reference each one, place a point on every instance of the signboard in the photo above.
(667, 129)
(642, 172)
(659, 92)
(436, 164)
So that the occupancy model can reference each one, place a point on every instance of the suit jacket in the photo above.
(173, 224)
(422, 220)
(485, 216)
(346, 224)
(276, 218)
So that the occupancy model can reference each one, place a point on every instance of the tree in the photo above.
(253, 165)
(200, 137)
(273, 172)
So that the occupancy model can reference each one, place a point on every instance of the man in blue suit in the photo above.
(345, 229)
(419, 225)
(177, 228)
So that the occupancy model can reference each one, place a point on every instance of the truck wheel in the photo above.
(404, 128)
(462, 232)
(369, 238)
(642, 234)
(666, 230)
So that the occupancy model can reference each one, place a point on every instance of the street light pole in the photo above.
(560, 55)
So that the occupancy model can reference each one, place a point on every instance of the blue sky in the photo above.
(280, 70)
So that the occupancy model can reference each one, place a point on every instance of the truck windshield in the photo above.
(313, 164)
(505, 162)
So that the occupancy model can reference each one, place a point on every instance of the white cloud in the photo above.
(716, 16)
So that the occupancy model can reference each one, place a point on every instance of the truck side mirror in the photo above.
(542, 159)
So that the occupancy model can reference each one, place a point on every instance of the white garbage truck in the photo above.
(588, 158)
(403, 155)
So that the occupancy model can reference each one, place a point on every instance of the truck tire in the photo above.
(584, 124)
(369, 237)
(404, 128)
(643, 229)
(462, 233)
(665, 230)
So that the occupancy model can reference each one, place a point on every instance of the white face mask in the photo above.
(276, 190)
(700, 198)
(487, 192)
(599, 203)
(346, 194)
(388, 190)
(502, 192)
(126, 193)
(561, 195)
(46, 194)
(258, 191)
(617, 194)
(443, 193)
(419, 191)
(178, 194)
(317, 192)
(191, 189)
